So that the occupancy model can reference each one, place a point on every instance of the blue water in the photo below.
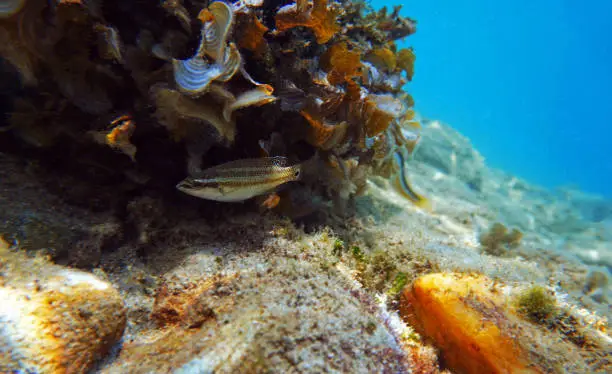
(529, 82)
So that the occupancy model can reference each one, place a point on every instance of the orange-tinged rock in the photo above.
(190, 306)
(464, 317)
(54, 319)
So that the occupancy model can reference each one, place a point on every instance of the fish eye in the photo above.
(296, 174)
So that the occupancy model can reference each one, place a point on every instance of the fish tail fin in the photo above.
(403, 187)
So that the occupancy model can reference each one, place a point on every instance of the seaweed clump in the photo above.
(498, 240)
(537, 304)
(150, 92)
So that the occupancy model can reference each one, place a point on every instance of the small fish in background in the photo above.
(401, 184)
(118, 137)
(240, 180)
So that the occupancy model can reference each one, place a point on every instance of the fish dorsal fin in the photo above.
(246, 164)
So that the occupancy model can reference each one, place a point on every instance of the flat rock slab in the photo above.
(257, 311)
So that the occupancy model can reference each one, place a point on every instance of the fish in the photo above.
(258, 96)
(401, 184)
(240, 180)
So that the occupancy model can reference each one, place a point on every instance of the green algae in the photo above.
(358, 254)
(537, 304)
(398, 284)
(338, 247)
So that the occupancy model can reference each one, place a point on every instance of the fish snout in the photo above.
(297, 173)
(186, 184)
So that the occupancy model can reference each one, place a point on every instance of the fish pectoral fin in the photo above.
(222, 190)
(225, 190)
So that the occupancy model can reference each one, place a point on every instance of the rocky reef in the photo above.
(106, 267)
(140, 95)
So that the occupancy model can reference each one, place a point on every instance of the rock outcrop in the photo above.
(54, 319)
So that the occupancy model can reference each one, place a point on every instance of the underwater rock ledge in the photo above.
(141, 95)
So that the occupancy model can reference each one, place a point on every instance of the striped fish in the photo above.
(401, 184)
(241, 179)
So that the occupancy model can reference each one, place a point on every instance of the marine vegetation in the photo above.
(497, 241)
(537, 304)
(146, 94)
